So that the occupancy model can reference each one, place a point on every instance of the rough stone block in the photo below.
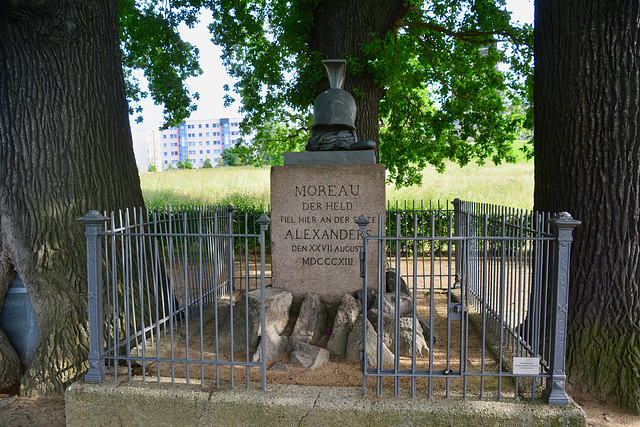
(405, 304)
(391, 283)
(311, 324)
(309, 356)
(354, 345)
(371, 297)
(343, 323)
(277, 303)
(273, 346)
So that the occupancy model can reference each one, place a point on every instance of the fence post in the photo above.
(562, 227)
(94, 225)
(457, 232)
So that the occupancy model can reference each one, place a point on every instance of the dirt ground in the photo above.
(21, 411)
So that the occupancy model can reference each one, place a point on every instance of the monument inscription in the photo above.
(315, 241)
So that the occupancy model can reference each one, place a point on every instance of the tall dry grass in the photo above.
(506, 184)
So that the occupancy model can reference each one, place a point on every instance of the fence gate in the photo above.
(471, 300)
(426, 311)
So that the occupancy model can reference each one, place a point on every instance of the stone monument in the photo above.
(317, 196)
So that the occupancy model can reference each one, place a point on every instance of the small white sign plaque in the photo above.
(526, 365)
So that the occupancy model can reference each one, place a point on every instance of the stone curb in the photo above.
(133, 403)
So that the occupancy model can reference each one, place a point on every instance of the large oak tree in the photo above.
(587, 162)
(424, 74)
(66, 148)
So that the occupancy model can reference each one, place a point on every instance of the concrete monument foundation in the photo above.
(315, 242)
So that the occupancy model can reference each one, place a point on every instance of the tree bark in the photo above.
(10, 365)
(587, 162)
(341, 28)
(65, 149)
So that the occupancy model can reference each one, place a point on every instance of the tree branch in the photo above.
(475, 37)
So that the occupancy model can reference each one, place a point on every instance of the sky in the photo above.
(210, 84)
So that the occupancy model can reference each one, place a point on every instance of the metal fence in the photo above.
(486, 286)
(486, 299)
(151, 272)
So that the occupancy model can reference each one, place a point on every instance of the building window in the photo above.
(192, 152)
(173, 136)
(165, 153)
(200, 134)
(164, 136)
(216, 151)
(189, 126)
(165, 144)
(206, 125)
(200, 143)
(200, 126)
(200, 151)
(206, 134)
(208, 143)
(208, 151)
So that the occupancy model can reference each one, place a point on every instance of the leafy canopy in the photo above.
(150, 42)
(445, 97)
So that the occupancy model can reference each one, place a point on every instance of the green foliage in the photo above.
(272, 140)
(152, 168)
(150, 42)
(184, 165)
(445, 97)
(207, 164)
(232, 156)
(466, 109)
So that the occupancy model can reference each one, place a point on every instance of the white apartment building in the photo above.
(146, 149)
(198, 140)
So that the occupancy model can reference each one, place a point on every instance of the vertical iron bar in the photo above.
(362, 222)
(230, 266)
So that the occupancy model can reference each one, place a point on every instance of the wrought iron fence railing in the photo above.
(152, 272)
(495, 281)
(501, 275)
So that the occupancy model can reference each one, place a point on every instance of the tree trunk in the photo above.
(587, 162)
(65, 149)
(341, 28)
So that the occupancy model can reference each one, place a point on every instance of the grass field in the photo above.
(506, 184)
